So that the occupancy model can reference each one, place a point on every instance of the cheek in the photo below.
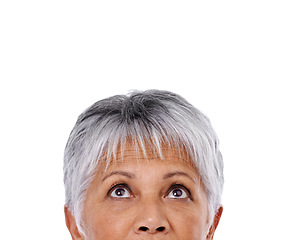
(105, 224)
(189, 225)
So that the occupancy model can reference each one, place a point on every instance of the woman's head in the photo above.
(124, 149)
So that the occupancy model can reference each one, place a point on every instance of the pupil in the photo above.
(120, 192)
(177, 193)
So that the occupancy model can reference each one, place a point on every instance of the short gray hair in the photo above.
(149, 119)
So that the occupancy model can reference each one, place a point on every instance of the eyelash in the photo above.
(116, 185)
(177, 185)
(173, 186)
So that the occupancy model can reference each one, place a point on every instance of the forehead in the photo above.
(148, 164)
(132, 153)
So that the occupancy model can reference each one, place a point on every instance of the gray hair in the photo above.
(149, 118)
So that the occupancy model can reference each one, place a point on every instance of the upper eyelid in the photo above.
(173, 186)
(113, 186)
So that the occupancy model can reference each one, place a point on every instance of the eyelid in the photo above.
(179, 186)
(116, 185)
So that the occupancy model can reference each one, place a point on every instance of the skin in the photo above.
(147, 199)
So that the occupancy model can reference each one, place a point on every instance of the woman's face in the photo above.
(145, 199)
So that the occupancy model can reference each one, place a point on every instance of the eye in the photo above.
(178, 192)
(119, 192)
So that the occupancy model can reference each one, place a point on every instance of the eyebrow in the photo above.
(178, 173)
(126, 174)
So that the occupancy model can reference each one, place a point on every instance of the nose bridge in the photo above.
(151, 217)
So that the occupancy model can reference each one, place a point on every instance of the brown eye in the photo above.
(120, 192)
(177, 192)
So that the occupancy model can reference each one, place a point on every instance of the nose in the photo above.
(151, 219)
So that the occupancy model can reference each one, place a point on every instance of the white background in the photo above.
(238, 61)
